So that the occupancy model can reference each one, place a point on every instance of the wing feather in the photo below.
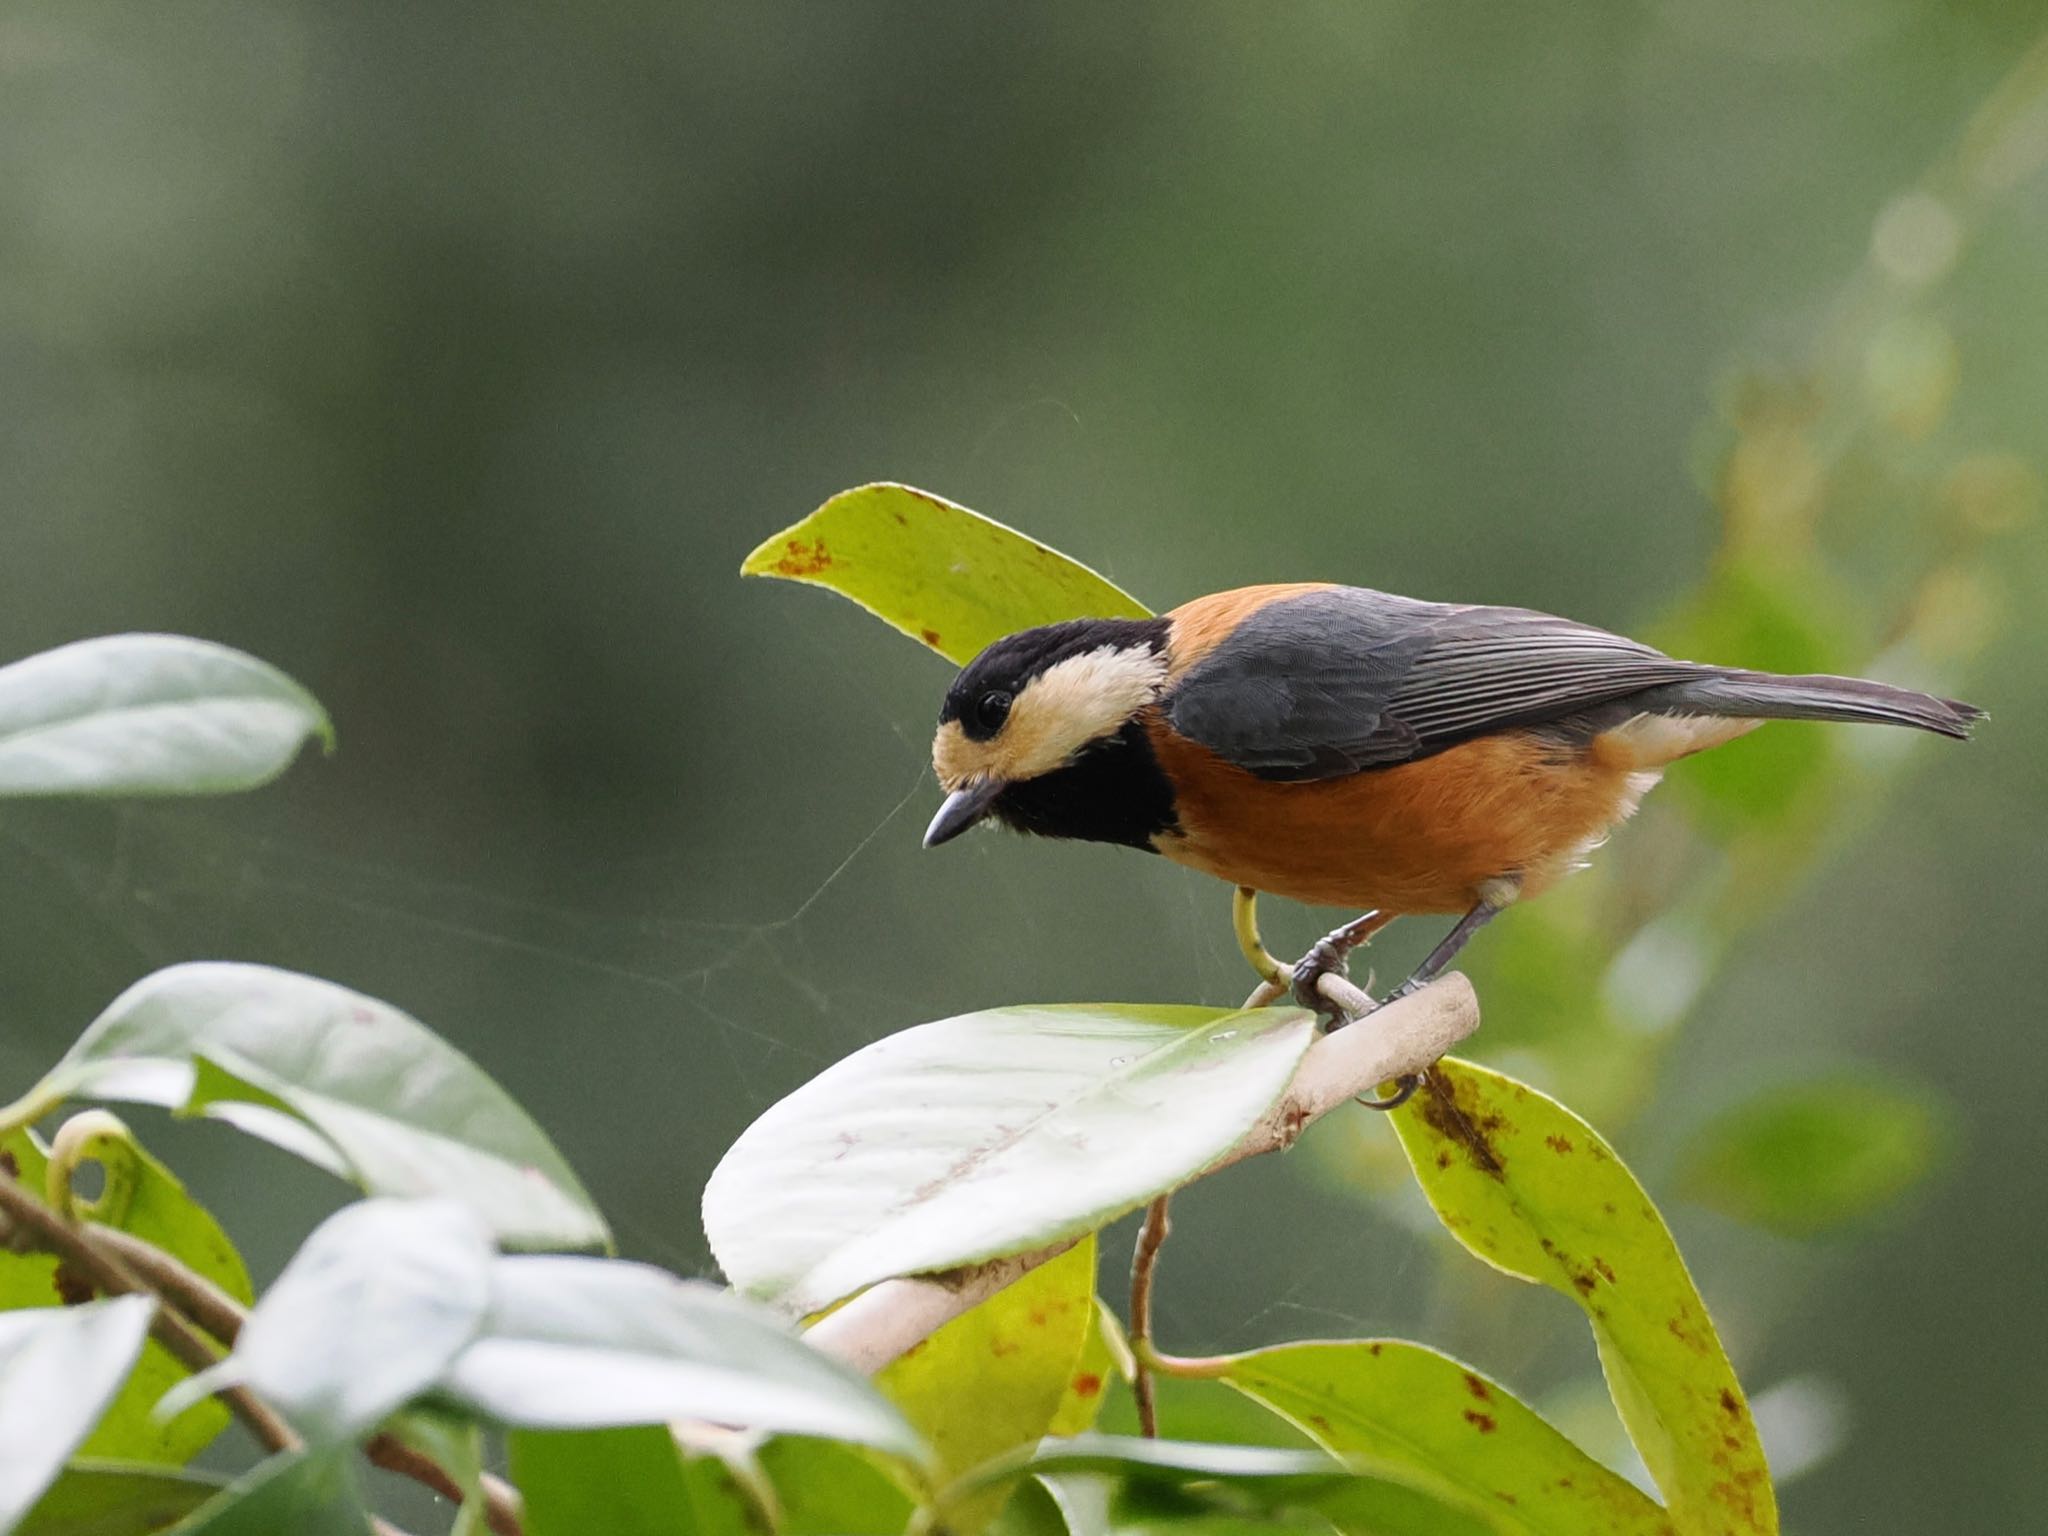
(1342, 679)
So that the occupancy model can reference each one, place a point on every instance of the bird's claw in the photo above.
(1404, 1089)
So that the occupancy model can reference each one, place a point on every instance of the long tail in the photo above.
(1767, 696)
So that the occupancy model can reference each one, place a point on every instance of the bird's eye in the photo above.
(991, 710)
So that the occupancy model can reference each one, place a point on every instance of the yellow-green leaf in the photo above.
(1804, 1158)
(112, 1498)
(994, 1378)
(830, 1488)
(144, 1198)
(1420, 1418)
(1529, 1187)
(943, 575)
(1105, 1356)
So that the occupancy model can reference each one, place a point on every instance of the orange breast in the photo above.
(1420, 837)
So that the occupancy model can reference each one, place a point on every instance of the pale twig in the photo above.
(1402, 1037)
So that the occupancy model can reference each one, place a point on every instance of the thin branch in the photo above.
(177, 1282)
(119, 1263)
(1144, 1266)
(73, 1246)
(1402, 1037)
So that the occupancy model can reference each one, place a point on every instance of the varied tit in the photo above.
(1350, 748)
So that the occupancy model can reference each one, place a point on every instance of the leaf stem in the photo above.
(1187, 1367)
(28, 1109)
(1244, 920)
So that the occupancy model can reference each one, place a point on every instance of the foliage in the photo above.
(992, 1134)
(461, 1299)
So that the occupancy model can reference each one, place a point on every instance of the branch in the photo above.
(29, 1217)
(120, 1263)
(1383, 1043)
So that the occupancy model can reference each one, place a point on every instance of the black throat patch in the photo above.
(1114, 792)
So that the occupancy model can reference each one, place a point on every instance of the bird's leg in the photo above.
(1330, 953)
(1488, 908)
(1434, 962)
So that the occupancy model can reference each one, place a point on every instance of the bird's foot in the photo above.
(1328, 956)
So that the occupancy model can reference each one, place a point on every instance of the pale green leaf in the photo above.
(987, 1134)
(1806, 1158)
(401, 1110)
(995, 1377)
(149, 715)
(1420, 1418)
(1530, 1188)
(58, 1371)
(305, 1493)
(575, 1343)
(367, 1316)
(1271, 1476)
(941, 574)
(142, 1197)
(112, 1498)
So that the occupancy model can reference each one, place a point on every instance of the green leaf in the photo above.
(154, 1207)
(594, 1343)
(1372, 1506)
(111, 1498)
(1095, 1504)
(995, 1377)
(367, 1316)
(941, 574)
(149, 715)
(1806, 1158)
(142, 1197)
(987, 1134)
(306, 1493)
(1420, 1418)
(58, 1371)
(319, 1069)
(1529, 1187)
(1105, 1356)
(828, 1488)
(622, 1482)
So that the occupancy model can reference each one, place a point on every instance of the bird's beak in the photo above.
(963, 808)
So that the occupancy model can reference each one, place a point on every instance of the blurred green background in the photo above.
(451, 358)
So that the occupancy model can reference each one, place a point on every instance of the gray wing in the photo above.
(1343, 679)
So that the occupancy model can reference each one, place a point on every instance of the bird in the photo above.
(1344, 747)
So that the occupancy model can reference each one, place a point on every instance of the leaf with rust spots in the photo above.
(1105, 1356)
(997, 1377)
(1405, 1413)
(1584, 1227)
(936, 571)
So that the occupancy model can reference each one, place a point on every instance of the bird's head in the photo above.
(1036, 703)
